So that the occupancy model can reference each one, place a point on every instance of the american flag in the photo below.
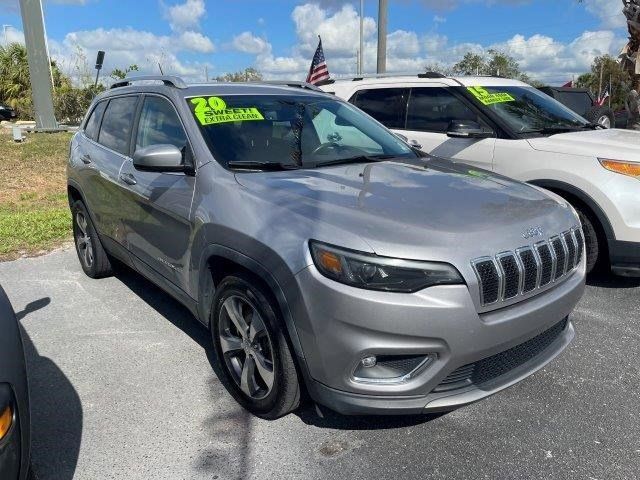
(318, 71)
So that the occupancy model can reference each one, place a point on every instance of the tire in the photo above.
(593, 241)
(91, 254)
(602, 116)
(264, 344)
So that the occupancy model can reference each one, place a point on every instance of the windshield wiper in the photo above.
(555, 129)
(267, 166)
(356, 159)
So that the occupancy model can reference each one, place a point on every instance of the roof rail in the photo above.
(169, 80)
(397, 74)
(291, 83)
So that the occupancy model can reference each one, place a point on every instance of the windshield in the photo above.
(291, 131)
(527, 110)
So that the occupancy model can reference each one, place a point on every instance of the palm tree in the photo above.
(14, 73)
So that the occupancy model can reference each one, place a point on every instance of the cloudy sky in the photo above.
(552, 39)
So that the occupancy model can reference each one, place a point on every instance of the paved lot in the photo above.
(123, 387)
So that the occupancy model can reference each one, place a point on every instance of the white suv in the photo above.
(514, 129)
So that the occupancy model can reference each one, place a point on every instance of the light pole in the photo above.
(361, 53)
(382, 36)
(4, 28)
(35, 40)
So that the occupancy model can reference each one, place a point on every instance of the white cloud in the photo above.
(195, 41)
(608, 11)
(185, 16)
(246, 42)
(542, 57)
(128, 46)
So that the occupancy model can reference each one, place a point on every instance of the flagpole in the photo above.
(382, 36)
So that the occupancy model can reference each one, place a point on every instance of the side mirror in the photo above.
(467, 129)
(412, 143)
(158, 158)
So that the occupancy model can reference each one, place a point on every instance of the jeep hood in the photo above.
(415, 210)
(613, 143)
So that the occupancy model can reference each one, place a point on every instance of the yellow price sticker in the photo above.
(213, 110)
(487, 98)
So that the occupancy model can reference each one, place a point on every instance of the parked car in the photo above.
(14, 398)
(515, 130)
(320, 249)
(581, 101)
(7, 113)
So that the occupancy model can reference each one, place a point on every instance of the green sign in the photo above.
(213, 110)
(488, 98)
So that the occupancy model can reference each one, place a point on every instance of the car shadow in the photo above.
(321, 417)
(56, 411)
(608, 280)
(165, 305)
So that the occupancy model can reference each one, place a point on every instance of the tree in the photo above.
(118, 74)
(247, 75)
(620, 79)
(440, 68)
(471, 64)
(494, 62)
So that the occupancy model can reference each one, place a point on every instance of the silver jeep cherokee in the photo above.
(322, 250)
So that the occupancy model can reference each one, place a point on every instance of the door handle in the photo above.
(86, 159)
(128, 178)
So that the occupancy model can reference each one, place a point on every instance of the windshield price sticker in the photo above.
(488, 98)
(212, 110)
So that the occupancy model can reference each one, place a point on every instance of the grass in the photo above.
(34, 214)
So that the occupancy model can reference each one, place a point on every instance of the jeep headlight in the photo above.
(363, 270)
(631, 169)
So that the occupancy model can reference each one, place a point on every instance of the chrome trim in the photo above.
(553, 249)
(503, 275)
(566, 253)
(429, 358)
(536, 249)
(574, 236)
(474, 265)
(538, 268)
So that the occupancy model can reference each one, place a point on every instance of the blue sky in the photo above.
(552, 39)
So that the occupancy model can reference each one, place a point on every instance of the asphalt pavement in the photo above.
(123, 386)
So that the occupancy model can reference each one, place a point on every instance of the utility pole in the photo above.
(382, 36)
(6, 40)
(361, 52)
(35, 40)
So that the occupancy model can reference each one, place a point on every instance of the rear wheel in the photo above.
(93, 258)
(252, 349)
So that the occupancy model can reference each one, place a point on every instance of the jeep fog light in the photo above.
(6, 421)
(390, 369)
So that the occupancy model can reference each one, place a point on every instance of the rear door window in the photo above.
(93, 124)
(117, 124)
(432, 109)
(387, 105)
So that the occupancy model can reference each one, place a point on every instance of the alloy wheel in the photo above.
(246, 346)
(83, 240)
(605, 121)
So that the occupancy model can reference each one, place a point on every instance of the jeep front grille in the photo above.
(508, 275)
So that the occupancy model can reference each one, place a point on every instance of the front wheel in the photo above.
(252, 349)
(593, 242)
(93, 258)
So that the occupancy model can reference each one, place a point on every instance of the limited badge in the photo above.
(488, 98)
(212, 110)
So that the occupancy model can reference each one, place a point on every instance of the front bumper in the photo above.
(625, 258)
(344, 324)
